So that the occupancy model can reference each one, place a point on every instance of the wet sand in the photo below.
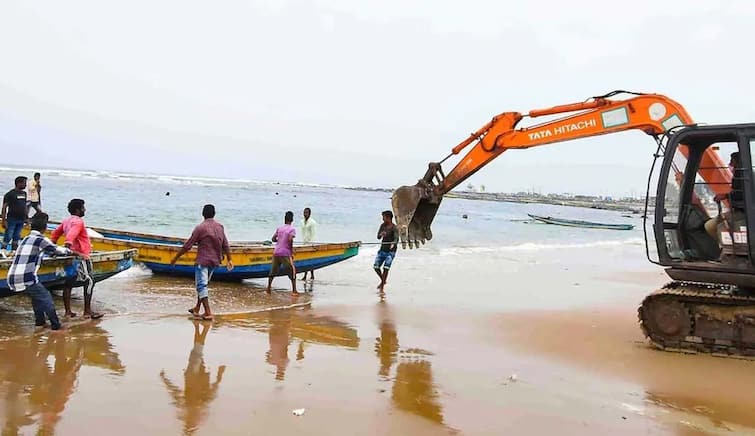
(425, 360)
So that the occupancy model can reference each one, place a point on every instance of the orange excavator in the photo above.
(698, 228)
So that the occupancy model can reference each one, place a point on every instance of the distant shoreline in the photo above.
(634, 206)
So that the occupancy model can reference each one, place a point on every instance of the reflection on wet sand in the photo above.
(198, 392)
(285, 325)
(413, 387)
(40, 374)
(279, 338)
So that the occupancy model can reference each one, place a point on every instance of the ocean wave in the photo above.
(169, 179)
(535, 246)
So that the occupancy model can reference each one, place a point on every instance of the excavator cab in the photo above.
(702, 236)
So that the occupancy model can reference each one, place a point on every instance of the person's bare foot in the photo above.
(269, 291)
(294, 292)
(60, 331)
(69, 315)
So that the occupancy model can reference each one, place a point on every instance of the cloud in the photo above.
(336, 85)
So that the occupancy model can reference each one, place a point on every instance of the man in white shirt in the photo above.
(35, 194)
(308, 228)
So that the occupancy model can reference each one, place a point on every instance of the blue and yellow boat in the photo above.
(56, 271)
(251, 259)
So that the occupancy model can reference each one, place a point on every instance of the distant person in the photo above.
(212, 246)
(308, 231)
(388, 234)
(77, 239)
(22, 274)
(283, 254)
(14, 214)
(35, 194)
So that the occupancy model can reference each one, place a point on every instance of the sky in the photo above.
(354, 92)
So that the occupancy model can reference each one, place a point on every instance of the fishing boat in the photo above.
(251, 259)
(56, 271)
(579, 223)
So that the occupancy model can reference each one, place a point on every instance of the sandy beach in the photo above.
(551, 353)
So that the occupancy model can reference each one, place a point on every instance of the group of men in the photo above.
(209, 236)
(213, 247)
(22, 274)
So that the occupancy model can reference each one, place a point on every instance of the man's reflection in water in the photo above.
(198, 392)
(53, 395)
(40, 375)
(413, 387)
(386, 346)
(279, 334)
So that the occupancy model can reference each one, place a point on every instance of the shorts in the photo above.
(384, 259)
(202, 276)
(83, 276)
(278, 262)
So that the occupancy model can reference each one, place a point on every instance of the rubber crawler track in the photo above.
(699, 295)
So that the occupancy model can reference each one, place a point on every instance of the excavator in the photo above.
(697, 226)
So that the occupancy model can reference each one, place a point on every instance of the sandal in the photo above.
(96, 315)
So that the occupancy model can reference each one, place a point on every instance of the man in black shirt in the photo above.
(14, 213)
(388, 234)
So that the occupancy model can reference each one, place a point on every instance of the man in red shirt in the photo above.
(212, 243)
(77, 240)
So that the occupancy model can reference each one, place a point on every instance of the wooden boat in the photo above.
(251, 259)
(55, 271)
(578, 223)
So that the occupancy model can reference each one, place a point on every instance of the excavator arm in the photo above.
(415, 206)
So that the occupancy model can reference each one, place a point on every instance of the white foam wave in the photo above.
(170, 179)
(534, 246)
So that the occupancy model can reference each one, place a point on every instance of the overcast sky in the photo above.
(354, 92)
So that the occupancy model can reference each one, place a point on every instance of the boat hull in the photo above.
(251, 259)
(56, 271)
(581, 224)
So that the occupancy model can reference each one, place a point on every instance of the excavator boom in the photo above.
(415, 206)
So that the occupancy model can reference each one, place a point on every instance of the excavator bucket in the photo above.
(414, 208)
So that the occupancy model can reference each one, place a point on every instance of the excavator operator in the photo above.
(735, 198)
(736, 195)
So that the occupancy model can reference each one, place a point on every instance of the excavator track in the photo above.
(690, 317)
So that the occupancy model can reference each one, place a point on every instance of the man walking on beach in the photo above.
(77, 239)
(212, 243)
(35, 194)
(22, 274)
(308, 230)
(283, 255)
(14, 213)
(388, 234)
